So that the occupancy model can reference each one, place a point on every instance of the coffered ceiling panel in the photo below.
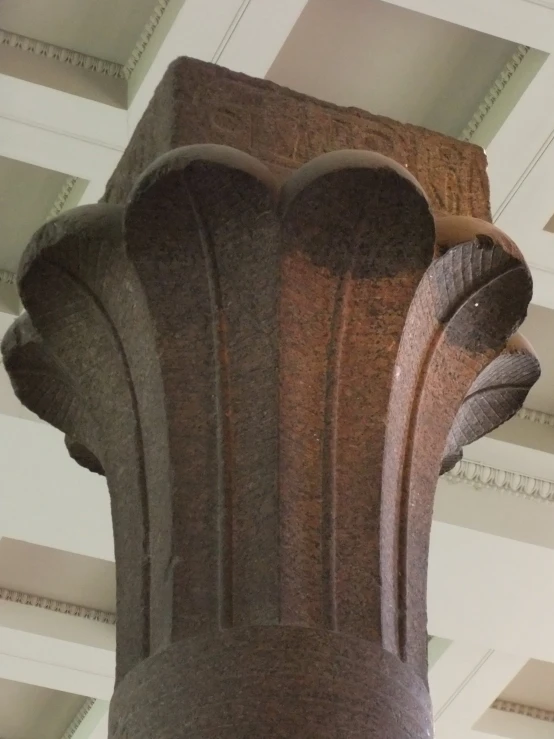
(107, 29)
(31, 712)
(51, 573)
(27, 195)
(533, 686)
(391, 61)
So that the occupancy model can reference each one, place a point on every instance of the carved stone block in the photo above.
(199, 103)
(272, 370)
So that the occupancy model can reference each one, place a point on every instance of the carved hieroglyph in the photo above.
(197, 103)
(272, 379)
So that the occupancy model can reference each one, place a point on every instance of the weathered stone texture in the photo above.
(272, 375)
(199, 103)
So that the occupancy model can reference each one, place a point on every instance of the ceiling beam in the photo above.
(241, 35)
(56, 650)
(58, 131)
(521, 21)
(464, 682)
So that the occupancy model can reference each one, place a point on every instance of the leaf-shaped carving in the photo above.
(470, 301)
(83, 456)
(495, 397)
(84, 301)
(42, 382)
(269, 380)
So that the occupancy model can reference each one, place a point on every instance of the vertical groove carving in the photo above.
(272, 380)
(79, 256)
(444, 330)
(330, 451)
(365, 264)
(224, 423)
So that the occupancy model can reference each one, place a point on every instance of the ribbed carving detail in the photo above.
(268, 376)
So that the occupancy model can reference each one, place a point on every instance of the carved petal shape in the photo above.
(268, 378)
(494, 397)
(469, 303)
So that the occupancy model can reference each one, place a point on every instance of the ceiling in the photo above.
(63, 576)
(27, 195)
(31, 712)
(393, 62)
(75, 78)
(100, 28)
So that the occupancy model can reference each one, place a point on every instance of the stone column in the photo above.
(271, 371)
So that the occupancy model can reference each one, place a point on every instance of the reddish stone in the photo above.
(271, 378)
(199, 103)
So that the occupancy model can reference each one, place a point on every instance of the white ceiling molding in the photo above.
(7, 278)
(91, 722)
(145, 37)
(79, 717)
(85, 61)
(54, 650)
(523, 710)
(50, 604)
(482, 476)
(63, 196)
(545, 419)
(58, 53)
(494, 93)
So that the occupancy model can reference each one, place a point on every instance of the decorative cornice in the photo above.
(79, 718)
(62, 198)
(545, 419)
(58, 53)
(7, 278)
(482, 476)
(523, 710)
(85, 61)
(49, 604)
(494, 93)
(145, 37)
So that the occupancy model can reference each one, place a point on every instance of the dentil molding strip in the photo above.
(523, 710)
(79, 717)
(482, 476)
(526, 414)
(85, 61)
(50, 51)
(50, 604)
(494, 93)
(145, 37)
(61, 200)
(7, 278)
